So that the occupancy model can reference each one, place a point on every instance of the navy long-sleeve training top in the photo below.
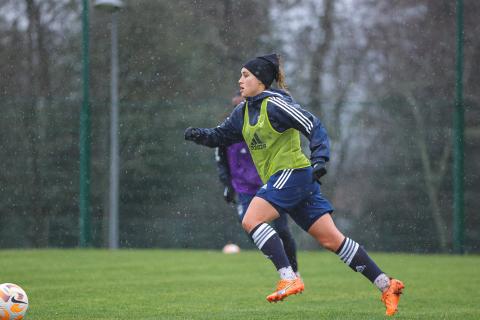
(283, 112)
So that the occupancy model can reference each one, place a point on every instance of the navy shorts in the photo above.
(294, 191)
(280, 224)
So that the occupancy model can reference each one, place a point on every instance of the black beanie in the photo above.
(265, 68)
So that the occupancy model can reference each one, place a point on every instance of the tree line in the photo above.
(379, 74)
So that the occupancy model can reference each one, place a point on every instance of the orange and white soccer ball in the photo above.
(13, 302)
(231, 248)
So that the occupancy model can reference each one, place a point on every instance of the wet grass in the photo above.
(184, 284)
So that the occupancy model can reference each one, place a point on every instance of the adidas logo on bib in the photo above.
(257, 143)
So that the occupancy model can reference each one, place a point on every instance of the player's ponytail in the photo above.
(281, 76)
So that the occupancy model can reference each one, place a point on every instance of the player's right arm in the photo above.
(227, 133)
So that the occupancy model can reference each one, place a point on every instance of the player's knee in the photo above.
(328, 243)
(248, 224)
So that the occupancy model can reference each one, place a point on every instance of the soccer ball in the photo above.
(231, 248)
(13, 302)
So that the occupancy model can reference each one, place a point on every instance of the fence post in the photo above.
(458, 136)
(84, 197)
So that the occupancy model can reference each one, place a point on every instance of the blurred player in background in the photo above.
(270, 122)
(238, 174)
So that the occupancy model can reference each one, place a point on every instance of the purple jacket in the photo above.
(236, 168)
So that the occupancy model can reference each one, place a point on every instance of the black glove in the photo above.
(319, 171)
(229, 194)
(192, 134)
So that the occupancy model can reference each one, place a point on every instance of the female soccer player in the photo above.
(237, 172)
(270, 122)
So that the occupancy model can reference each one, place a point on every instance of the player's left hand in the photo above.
(319, 171)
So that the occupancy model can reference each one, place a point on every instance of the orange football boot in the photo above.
(391, 296)
(286, 288)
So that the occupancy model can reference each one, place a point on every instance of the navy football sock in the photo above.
(268, 241)
(290, 248)
(357, 258)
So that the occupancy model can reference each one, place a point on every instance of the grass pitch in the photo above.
(185, 284)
